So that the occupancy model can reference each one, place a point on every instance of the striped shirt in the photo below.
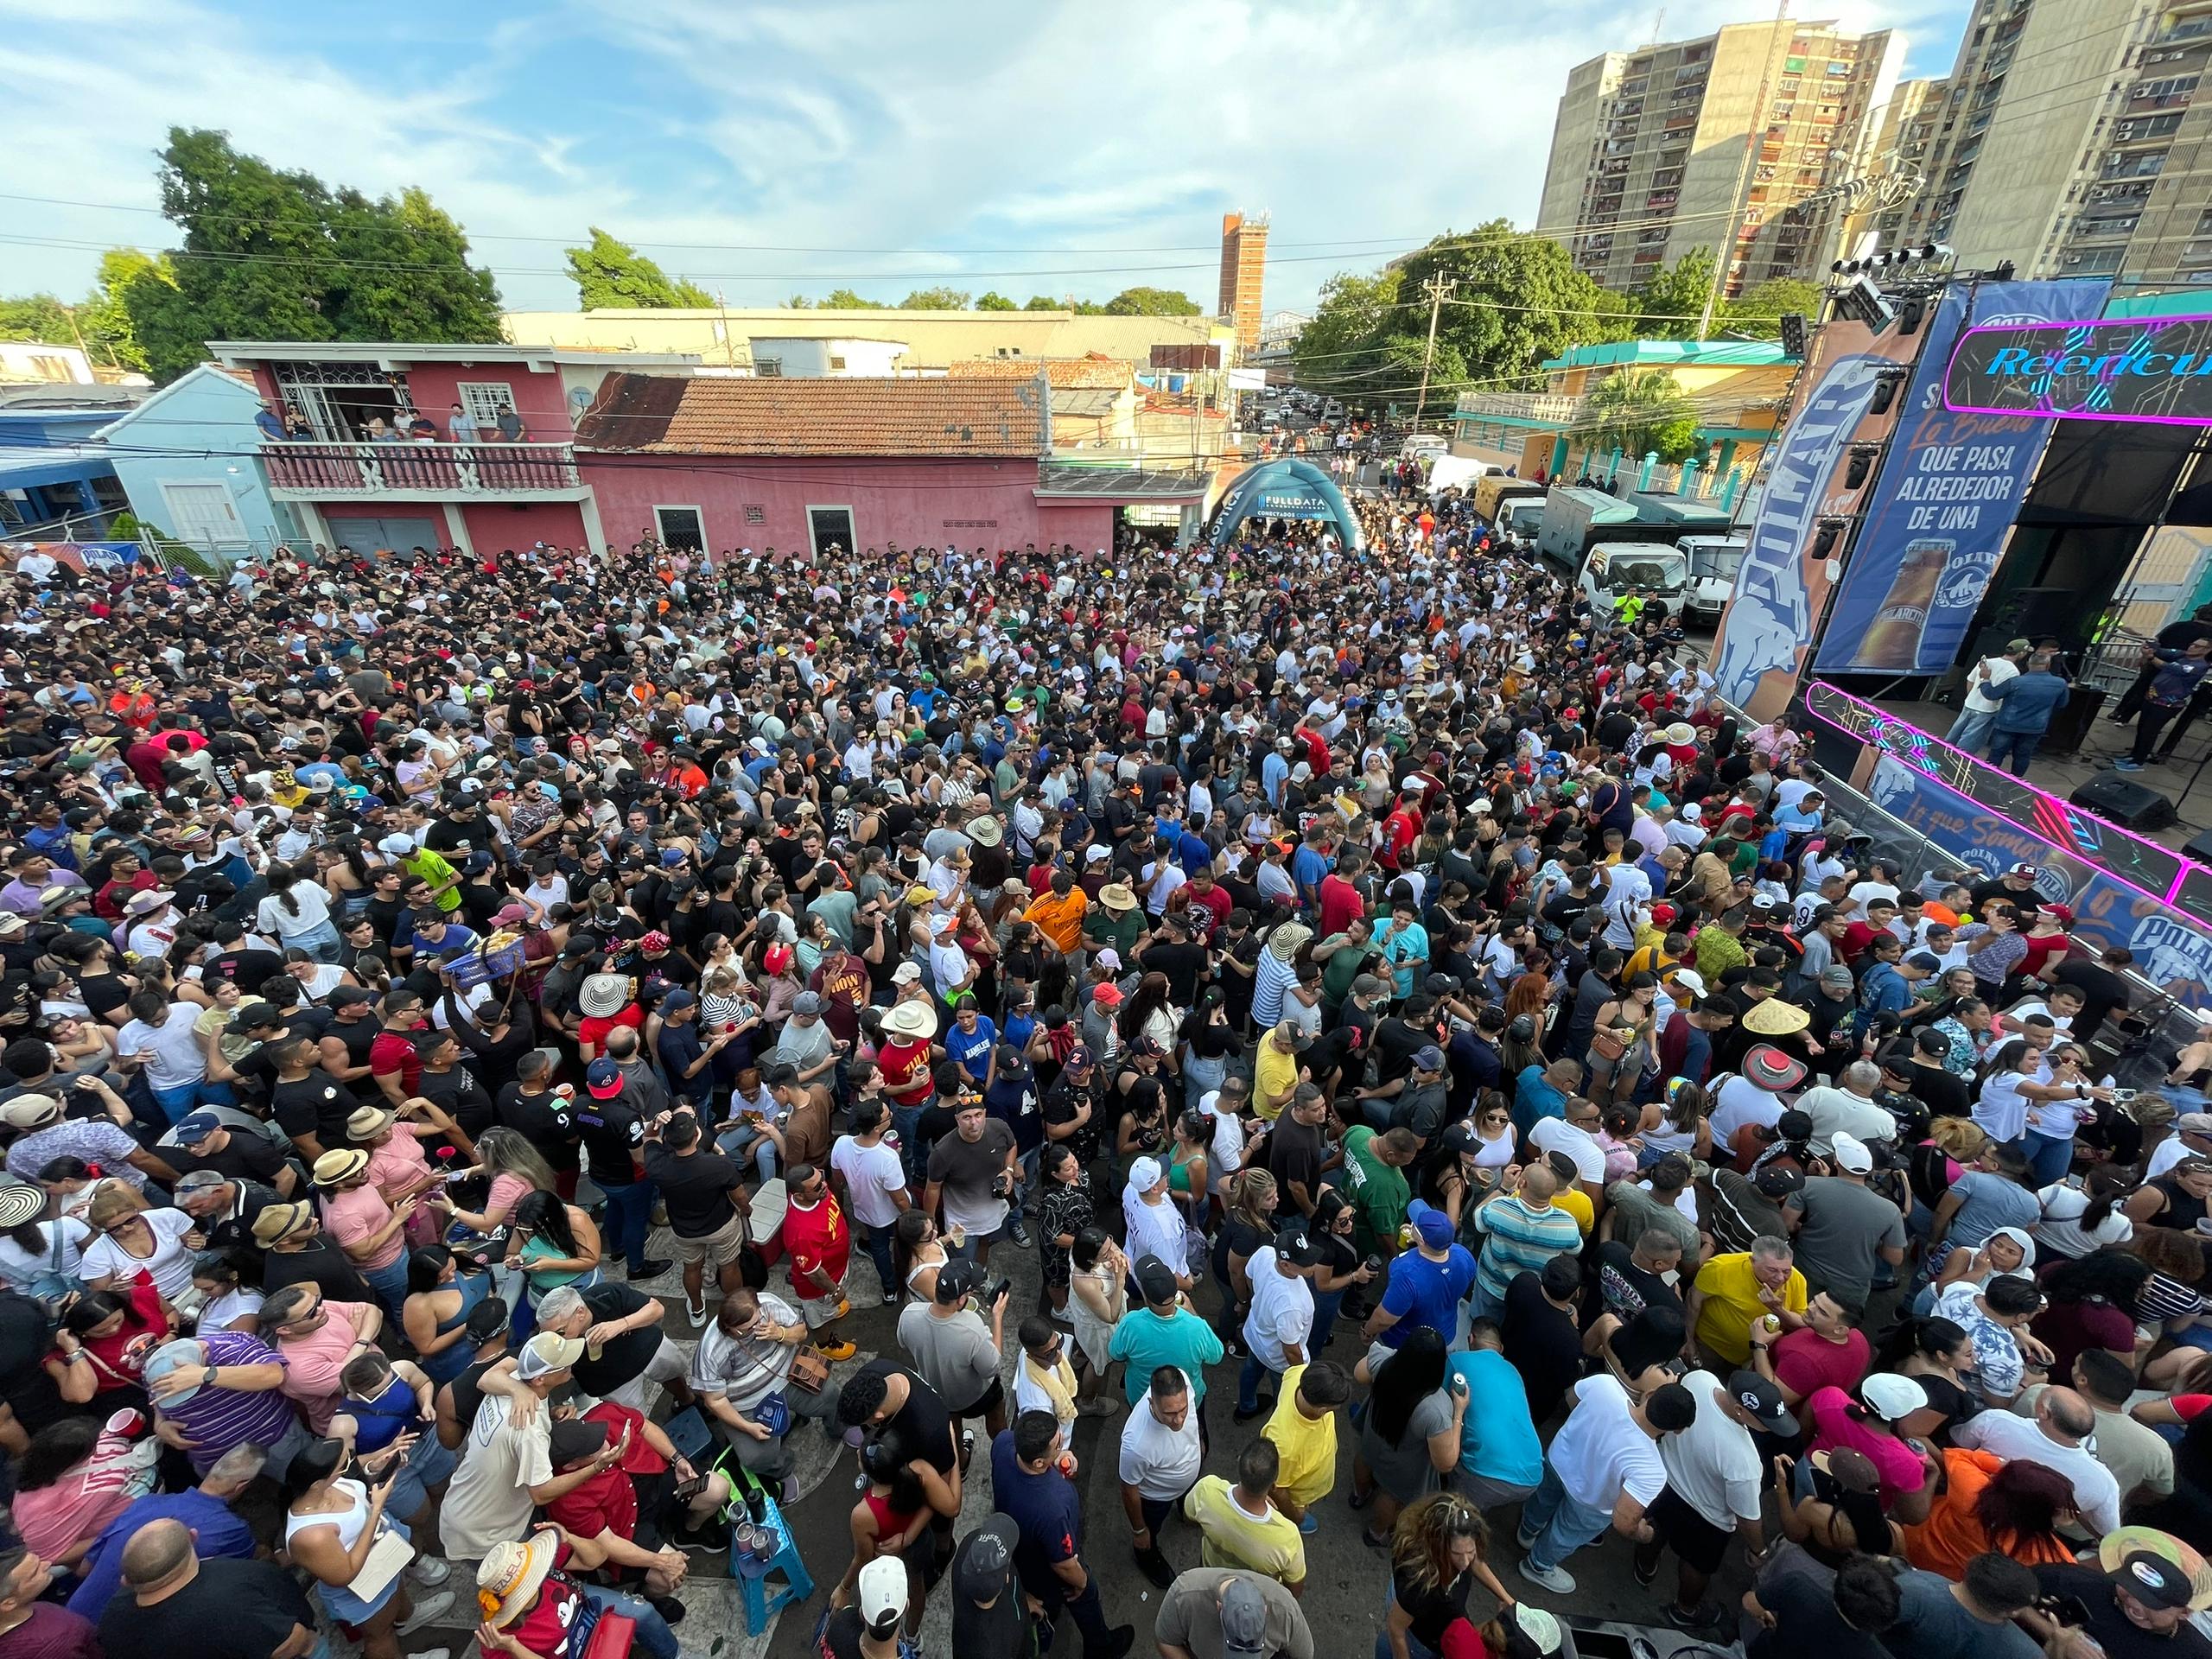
(1517, 1238)
(216, 1419)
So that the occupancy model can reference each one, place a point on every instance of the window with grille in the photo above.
(484, 400)
(768, 368)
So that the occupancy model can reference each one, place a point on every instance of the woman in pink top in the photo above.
(398, 1166)
(1868, 1425)
(516, 1170)
(74, 1478)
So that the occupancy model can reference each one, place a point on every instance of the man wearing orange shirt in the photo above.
(1058, 914)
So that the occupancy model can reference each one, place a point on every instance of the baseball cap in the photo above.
(196, 1126)
(1892, 1397)
(604, 1078)
(1839, 974)
(1432, 1223)
(2194, 1124)
(1368, 985)
(806, 1002)
(1779, 1181)
(1156, 1280)
(546, 1353)
(1428, 1058)
(2021, 869)
(1850, 1153)
(985, 1566)
(1298, 1247)
(574, 1438)
(1145, 1174)
(882, 1593)
(1243, 1618)
(2152, 1580)
(1763, 1399)
(676, 1002)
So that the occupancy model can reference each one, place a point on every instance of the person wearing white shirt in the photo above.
(1281, 1315)
(1741, 1100)
(1161, 1455)
(2053, 1437)
(1715, 1479)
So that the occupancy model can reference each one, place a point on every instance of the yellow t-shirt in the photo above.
(1731, 1302)
(1234, 1537)
(1272, 1073)
(1307, 1445)
(1576, 1203)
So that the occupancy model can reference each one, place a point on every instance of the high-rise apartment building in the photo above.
(1243, 266)
(1705, 142)
(2075, 138)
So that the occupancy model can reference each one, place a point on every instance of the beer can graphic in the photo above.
(1893, 637)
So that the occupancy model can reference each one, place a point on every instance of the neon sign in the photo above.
(2156, 371)
(2141, 866)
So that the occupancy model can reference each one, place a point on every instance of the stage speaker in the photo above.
(2070, 725)
(2038, 613)
(2117, 799)
(2198, 847)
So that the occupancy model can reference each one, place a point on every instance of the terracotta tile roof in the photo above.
(719, 416)
(1093, 372)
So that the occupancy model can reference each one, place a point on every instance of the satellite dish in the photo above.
(580, 399)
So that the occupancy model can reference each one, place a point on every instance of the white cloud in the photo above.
(1079, 129)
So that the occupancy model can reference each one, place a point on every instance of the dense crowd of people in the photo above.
(1371, 991)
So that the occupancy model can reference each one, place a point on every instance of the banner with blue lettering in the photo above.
(1939, 515)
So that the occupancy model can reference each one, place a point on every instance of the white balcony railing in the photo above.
(434, 469)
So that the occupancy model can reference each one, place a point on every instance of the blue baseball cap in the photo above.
(195, 1127)
(604, 1078)
(1432, 1223)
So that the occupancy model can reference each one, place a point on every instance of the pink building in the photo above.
(488, 496)
(579, 449)
(857, 463)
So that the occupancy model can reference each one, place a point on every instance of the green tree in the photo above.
(612, 274)
(104, 320)
(272, 255)
(843, 299)
(1517, 302)
(1670, 303)
(799, 302)
(1339, 349)
(36, 316)
(1758, 313)
(1041, 302)
(994, 300)
(1152, 303)
(935, 299)
(1640, 411)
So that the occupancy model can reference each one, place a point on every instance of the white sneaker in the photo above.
(428, 1609)
(696, 1312)
(429, 1570)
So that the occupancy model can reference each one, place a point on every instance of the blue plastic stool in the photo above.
(752, 1575)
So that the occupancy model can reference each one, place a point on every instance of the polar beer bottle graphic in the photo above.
(1893, 637)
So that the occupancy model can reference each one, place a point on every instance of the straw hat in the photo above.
(604, 995)
(1116, 895)
(1776, 1018)
(366, 1122)
(20, 1205)
(341, 1165)
(511, 1575)
(985, 832)
(279, 1222)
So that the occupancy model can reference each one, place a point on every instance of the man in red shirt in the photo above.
(1340, 898)
(394, 1052)
(820, 1245)
(904, 1060)
(1860, 935)
(1400, 831)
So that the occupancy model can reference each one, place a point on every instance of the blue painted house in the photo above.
(190, 460)
(55, 479)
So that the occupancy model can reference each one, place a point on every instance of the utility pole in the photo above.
(1437, 287)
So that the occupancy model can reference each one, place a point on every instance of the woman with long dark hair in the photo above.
(917, 1253)
(440, 1298)
(74, 1478)
(552, 1243)
(1063, 1210)
(1932, 1352)
(98, 1360)
(2089, 1302)
(1981, 1503)
(332, 1520)
(1410, 1437)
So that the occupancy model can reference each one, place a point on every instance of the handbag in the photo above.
(810, 1372)
(52, 1287)
(1607, 1043)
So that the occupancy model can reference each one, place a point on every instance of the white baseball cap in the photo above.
(883, 1593)
(1850, 1154)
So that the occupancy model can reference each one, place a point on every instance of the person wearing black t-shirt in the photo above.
(2138, 1611)
(614, 1133)
(308, 1104)
(1539, 1333)
(1298, 1151)
(171, 1602)
(2103, 990)
(203, 1142)
(891, 1403)
(299, 1252)
(623, 1346)
(1177, 956)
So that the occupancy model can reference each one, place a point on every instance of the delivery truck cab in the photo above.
(1713, 563)
(1653, 568)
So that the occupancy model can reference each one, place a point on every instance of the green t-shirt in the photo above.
(1378, 1191)
(1119, 932)
(1147, 1342)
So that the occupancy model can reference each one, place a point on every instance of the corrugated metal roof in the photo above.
(838, 417)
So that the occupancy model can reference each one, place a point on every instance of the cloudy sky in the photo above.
(768, 148)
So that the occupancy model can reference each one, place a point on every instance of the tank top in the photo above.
(889, 1521)
(2182, 1211)
(451, 1361)
(349, 1521)
(383, 1420)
